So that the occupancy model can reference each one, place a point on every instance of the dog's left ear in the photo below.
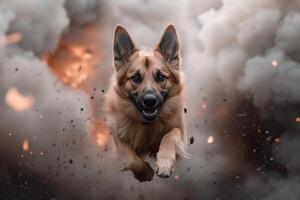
(169, 46)
(123, 47)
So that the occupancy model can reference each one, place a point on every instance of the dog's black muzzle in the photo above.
(148, 103)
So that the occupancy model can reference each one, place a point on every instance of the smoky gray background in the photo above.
(227, 49)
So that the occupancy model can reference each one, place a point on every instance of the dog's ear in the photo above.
(123, 47)
(169, 46)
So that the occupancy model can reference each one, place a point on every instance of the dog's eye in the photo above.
(136, 78)
(160, 78)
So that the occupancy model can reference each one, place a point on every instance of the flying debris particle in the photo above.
(277, 140)
(81, 109)
(210, 139)
(242, 115)
(176, 177)
(70, 161)
(103, 91)
(192, 139)
(204, 106)
(269, 138)
(25, 145)
(185, 110)
(298, 119)
(258, 130)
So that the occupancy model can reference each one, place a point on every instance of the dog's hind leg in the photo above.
(171, 144)
(141, 169)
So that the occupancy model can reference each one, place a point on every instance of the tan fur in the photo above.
(165, 137)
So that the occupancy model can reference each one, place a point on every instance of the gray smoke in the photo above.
(56, 126)
(235, 53)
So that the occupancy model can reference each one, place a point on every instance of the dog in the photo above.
(144, 104)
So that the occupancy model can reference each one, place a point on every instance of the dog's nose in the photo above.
(150, 101)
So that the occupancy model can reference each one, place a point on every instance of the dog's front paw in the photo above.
(144, 174)
(164, 167)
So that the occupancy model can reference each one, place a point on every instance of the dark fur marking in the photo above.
(147, 62)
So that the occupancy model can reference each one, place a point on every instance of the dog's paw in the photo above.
(145, 173)
(164, 168)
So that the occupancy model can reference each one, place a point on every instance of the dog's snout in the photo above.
(150, 100)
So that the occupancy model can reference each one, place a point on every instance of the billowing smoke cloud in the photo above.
(82, 11)
(250, 45)
(55, 121)
(241, 60)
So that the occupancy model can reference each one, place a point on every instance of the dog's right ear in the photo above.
(123, 47)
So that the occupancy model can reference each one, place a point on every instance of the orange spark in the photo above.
(101, 139)
(274, 63)
(25, 145)
(277, 140)
(100, 132)
(210, 139)
(75, 60)
(11, 38)
(17, 101)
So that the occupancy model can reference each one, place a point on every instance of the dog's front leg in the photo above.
(141, 169)
(170, 144)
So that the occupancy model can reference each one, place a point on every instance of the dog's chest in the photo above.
(145, 138)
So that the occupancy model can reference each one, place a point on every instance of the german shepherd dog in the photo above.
(145, 104)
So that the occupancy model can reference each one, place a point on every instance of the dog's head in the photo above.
(147, 77)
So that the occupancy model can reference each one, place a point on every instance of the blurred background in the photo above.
(242, 65)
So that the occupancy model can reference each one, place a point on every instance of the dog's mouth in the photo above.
(149, 115)
(148, 104)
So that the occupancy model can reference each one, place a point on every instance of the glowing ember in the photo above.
(298, 119)
(277, 140)
(25, 145)
(17, 101)
(274, 63)
(76, 57)
(11, 38)
(100, 133)
(210, 139)
(101, 139)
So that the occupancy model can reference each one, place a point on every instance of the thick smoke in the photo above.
(56, 125)
(241, 60)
